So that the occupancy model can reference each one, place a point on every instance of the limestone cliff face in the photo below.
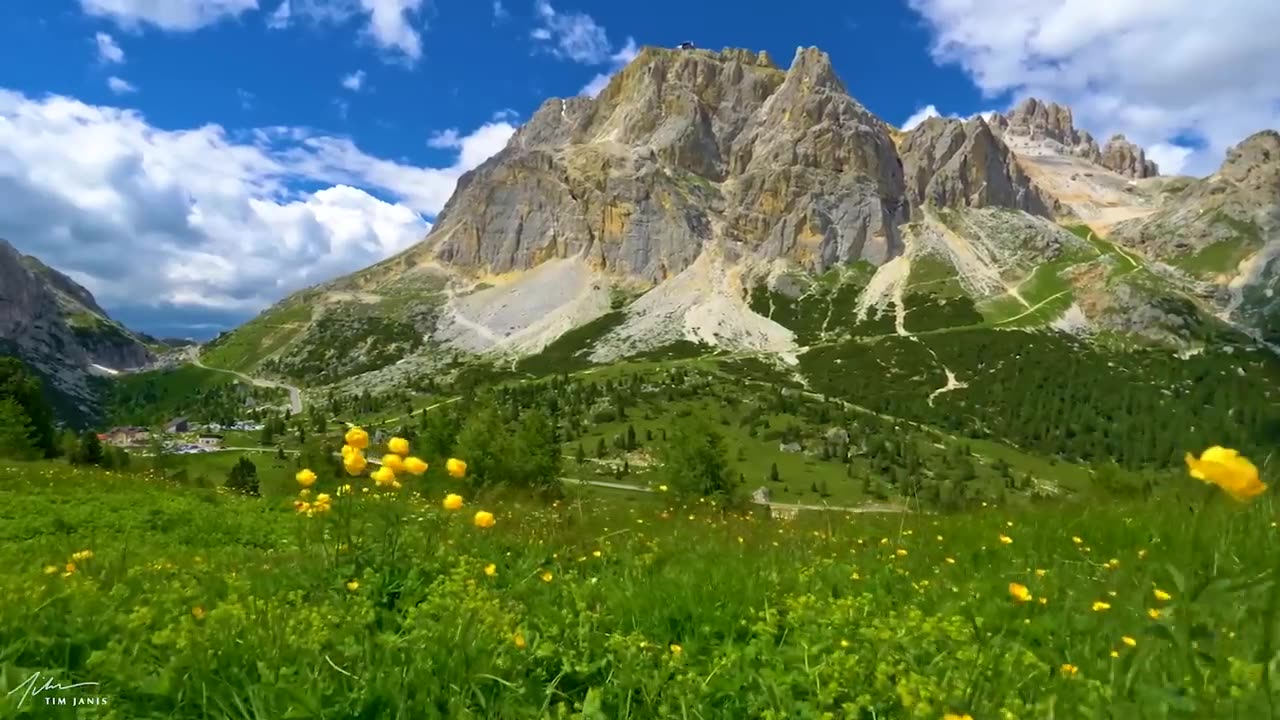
(1038, 121)
(54, 324)
(687, 149)
(1121, 156)
(963, 164)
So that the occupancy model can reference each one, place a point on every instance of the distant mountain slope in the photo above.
(57, 327)
(712, 198)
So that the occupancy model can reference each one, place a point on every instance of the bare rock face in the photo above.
(1039, 120)
(54, 324)
(951, 163)
(1123, 157)
(687, 148)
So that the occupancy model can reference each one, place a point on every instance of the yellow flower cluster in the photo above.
(70, 567)
(392, 464)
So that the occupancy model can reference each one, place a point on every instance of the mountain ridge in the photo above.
(691, 153)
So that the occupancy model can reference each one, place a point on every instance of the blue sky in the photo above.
(192, 161)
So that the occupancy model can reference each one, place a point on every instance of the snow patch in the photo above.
(103, 369)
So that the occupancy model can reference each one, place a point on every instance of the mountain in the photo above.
(58, 328)
(712, 199)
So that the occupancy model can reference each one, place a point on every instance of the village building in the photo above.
(209, 442)
(177, 425)
(126, 436)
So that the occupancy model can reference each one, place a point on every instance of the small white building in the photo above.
(209, 442)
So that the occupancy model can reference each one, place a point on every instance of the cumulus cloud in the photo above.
(108, 51)
(1158, 72)
(354, 81)
(120, 86)
(177, 15)
(202, 220)
(619, 60)
(389, 24)
(919, 116)
(573, 36)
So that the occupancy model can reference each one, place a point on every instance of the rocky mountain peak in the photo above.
(1123, 157)
(1041, 120)
(1255, 162)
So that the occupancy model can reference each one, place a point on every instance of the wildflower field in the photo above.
(422, 596)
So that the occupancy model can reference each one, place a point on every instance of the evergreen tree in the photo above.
(631, 438)
(243, 477)
(581, 455)
(268, 435)
(157, 451)
(90, 449)
(601, 450)
(20, 384)
(773, 473)
(16, 441)
(697, 464)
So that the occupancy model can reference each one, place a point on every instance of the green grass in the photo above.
(154, 397)
(1220, 257)
(248, 345)
(197, 604)
(568, 352)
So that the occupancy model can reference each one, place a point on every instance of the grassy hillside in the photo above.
(200, 604)
(154, 397)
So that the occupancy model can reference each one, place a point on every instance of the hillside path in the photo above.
(295, 395)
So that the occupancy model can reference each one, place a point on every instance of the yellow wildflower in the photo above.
(1113, 563)
(353, 585)
(595, 553)
(1043, 600)
(50, 569)
(490, 569)
(1229, 470)
(354, 463)
(1100, 606)
(951, 561)
(518, 640)
(398, 445)
(304, 493)
(662, 488)
(676, 649)
(198, 612)
(1153, 613)
(416, 466)
(1142, 554)
(456, 468)
(452, 501)
(305, 478)
(1128, 640)
(1019, 592)
(1069, 670)
(546, 576)
(393, 461)
(1006, 540)
(900, 552)
(357, 438)
(484, 519)
(1076, 539)
(1041, 572)
(1161, 595)
(347, 450)
(323, 499)
(954, 716)
(383, 476)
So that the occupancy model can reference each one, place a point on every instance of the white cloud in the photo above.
(108, 50)
(280, 18)
(499, 12)
(480, 145)
(181, 15)
(354, 81)
(389, 23)
(620, 60)
(919, 116)
(575, 36)
(120, 86)
(199, 218)
(1156, 71)
(1172, 159)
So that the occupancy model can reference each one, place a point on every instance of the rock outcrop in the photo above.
(685, 149)
(1123, 157)
(1037, 121)
(952, 163)
(56, 326)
